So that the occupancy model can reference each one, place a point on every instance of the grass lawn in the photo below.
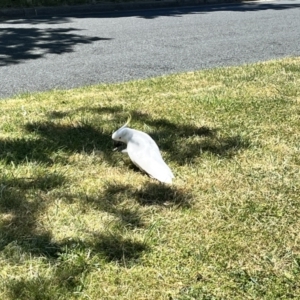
(79, 221)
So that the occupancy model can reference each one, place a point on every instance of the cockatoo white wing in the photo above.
(145, 154)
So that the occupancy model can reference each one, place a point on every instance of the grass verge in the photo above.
(37, 3)
(78, 221)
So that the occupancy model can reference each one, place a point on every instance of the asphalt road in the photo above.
(39, 54)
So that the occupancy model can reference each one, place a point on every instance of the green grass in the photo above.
(79, 221)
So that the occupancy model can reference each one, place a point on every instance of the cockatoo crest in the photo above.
(122, 135)
(143, 152)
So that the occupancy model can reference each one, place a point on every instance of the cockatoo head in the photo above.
(123, 134)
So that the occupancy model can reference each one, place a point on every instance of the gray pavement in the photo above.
(75, 49)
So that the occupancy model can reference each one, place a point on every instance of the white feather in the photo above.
(144, 153)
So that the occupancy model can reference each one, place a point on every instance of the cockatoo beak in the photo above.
(118, 146)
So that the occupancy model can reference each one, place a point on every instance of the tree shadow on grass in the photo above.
(223, 147)
(73, 138)
(22, 149)
(125, 202)
(116, 248)
(40, 182)
(22, 201)
(182, 142)
(151, 194)
(73, 265)
(128, 215)
(185, 142)
(33, 288)
(67, 277)
(53, 141)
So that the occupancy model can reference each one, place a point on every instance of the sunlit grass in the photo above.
(79, 221)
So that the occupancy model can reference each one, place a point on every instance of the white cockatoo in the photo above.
(144, 152)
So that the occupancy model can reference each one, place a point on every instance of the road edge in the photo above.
(105, 7)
